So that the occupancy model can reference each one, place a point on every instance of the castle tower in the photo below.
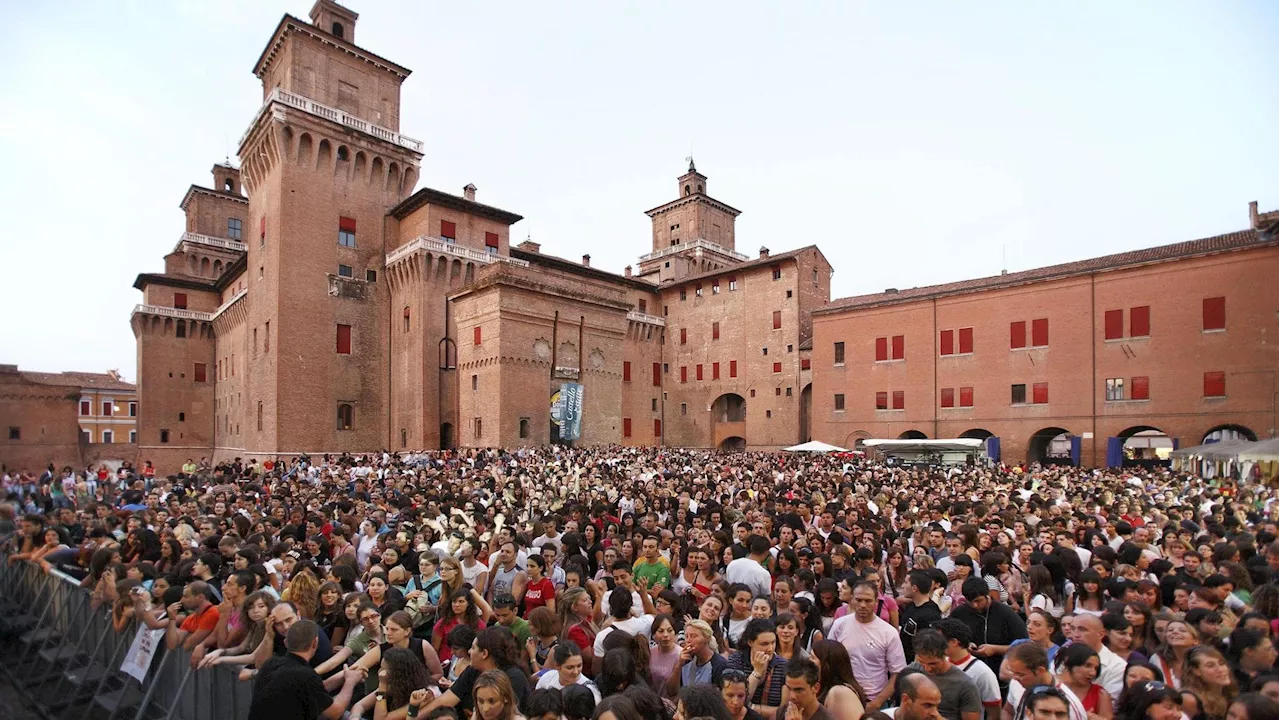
(691, 234)
(322, 163)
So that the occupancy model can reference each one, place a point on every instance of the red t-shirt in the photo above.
(537, 594)
(207, 620)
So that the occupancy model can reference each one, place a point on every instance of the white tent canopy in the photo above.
(814, 446)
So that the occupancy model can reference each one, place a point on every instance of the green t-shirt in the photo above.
(520, 629)
(656, 573)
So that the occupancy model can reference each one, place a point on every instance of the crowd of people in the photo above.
(659, 583)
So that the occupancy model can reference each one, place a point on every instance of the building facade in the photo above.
(69, 418)
(1096, 362)
(315, 303)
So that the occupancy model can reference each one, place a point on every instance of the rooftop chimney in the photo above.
(586, 261)
(764, 252)
(469, 192)
(626, 272)
(1253, 214)
(529, 246)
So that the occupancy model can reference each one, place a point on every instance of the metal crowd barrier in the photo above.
(67, 659)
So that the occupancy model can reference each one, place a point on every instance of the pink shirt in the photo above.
(875, 651)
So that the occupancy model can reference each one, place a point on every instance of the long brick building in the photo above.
(1089, 362)
(317, 303)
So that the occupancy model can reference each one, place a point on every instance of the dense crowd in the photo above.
(647, 584)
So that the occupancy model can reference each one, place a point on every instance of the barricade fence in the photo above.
(67, 658)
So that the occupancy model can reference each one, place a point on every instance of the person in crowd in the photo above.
(993, 625)
(568, 670)
(917, 696)
(1076, 667)
(1209, 676)
(287, 687)
(961, 699)
(874, 647)
(839, 691)
(919, 613)
(959, 640)
(1028, 666)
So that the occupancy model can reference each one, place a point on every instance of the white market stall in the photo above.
(957, 451)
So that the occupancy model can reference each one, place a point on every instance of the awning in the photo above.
(814, 446)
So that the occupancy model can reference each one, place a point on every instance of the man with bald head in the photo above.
(918, 697)
(1090, 631)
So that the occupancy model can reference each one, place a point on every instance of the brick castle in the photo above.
(317, 303)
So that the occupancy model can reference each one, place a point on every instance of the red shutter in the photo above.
(733, 368)
(684, 373)
(898, 347)
(180, 301)
(777, 319)
(805, 364)
(1040, 393)
(882, 349)
(448, 229)
(1140, 389)
(1113, 324)
(684, 335)
(946, 343)
(966, 340)
(344, 339)
(1040, 332)
(626, 427)
(699, 371)
(966, 397)
(626, 371)
(476, 335)
(1215, 384)
(491, 240)
(948, 397)
(715, 331)
(106, 409)
(1018, 334)
(657, 428)
(86, 407)
(715, 371)
(200, 372)
(657, 374)
(777, 367)
(1215, 313)
(347, 224)
(899, 399)
(1140, 321)
(882, 401)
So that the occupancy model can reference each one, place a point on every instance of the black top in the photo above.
(286, 688)
(324, 649)
(912, 619)
(462, 687)
(999, 625)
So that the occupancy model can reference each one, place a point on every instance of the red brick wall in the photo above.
(1075, 364)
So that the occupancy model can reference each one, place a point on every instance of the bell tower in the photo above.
(693, 233)
(322, 163)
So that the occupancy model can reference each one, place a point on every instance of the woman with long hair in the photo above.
(400, 674)
(451, 574)
(494, 698)
(1042, 594)
(257, 609)
(702, 701)
(398, 634)
(788, 630)
(1041, 627)
(808, 621)
(1119, 636)
(1144, 631)
(1077, 666)
(757, 656)
(896, 570)
(1150, 700)
(1171, 656)
(827, 601)
(1090, 599)
(838, 690)
(1253, 706)
(382, 595)
(1209, 676)
(465, 607)
(664, 655)
(330, 614)
(578, 613)
(304, 592)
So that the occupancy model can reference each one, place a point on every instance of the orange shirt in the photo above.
(207, 620)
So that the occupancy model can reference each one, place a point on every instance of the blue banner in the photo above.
(570, 411)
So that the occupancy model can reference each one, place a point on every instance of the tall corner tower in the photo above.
(693, 233)
(322, 163)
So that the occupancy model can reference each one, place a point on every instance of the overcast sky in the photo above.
(915, 143)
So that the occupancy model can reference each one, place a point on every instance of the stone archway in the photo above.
(806, 413)
(912, 435)
(977, 434)
(728, 419)
(732, 444)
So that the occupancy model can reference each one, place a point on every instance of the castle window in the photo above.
(343, 153)
(346, 416)
(344, 271)
(234, 229)
(337, 30)
(686, 189)
(347, 232)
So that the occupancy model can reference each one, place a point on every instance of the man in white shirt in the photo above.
(875, 649)
(1090, 631)
(749, 570)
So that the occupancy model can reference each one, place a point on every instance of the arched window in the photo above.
(686, 189)
(343, 153)
(337, 30)
(699, 187)
(524, 427)
(345, 416)
(228, 185)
